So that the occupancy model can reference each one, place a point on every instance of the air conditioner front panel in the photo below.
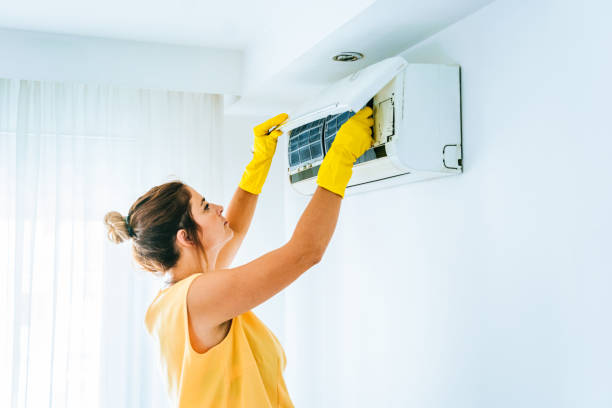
(349, 94)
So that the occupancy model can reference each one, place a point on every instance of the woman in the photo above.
(214, 351)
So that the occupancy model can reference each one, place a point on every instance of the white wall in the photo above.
(492, 288)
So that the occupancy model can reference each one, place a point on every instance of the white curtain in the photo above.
(72, 308)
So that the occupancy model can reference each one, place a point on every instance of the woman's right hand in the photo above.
(352, 140)
(355, 136)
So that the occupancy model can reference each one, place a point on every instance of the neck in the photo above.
(188, 264)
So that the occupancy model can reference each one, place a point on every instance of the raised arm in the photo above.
(217, 296)
(239, 215)
(242, 207)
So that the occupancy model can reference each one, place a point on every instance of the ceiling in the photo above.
(235, 25)
(287, 45)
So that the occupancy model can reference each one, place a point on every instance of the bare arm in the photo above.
(220, 295)
(318, 221)
(239, 215)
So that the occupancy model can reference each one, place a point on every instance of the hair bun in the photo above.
(116, 226)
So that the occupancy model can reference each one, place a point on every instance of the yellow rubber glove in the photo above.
(256, 171)
(352, 140)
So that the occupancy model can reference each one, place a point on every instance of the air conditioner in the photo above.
(417, 126)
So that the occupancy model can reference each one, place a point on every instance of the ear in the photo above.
(182, 239)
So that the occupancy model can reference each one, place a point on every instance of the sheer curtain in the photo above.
(72, 308)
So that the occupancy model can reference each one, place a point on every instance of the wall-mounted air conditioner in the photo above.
(417, 125)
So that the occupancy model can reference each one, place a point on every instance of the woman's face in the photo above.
(215, 230)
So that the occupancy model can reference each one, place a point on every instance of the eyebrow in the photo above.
(202, 202)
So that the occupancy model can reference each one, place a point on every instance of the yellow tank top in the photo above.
(243, 370)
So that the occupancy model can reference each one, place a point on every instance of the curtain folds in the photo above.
(72, 306)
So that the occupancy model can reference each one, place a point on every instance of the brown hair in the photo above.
(155, 218)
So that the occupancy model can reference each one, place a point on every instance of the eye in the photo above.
(206, 207)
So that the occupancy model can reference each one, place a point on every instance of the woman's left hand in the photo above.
(263, 151)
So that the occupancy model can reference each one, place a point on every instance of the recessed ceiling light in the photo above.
(348, 56)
